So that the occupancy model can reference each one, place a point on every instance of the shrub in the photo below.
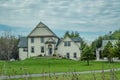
(40, 55)
(54, 54)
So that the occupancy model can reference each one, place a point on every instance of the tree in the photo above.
(87, 54)
(117, 49)
(8, 45)
(109, 51)
(72, 34)
(67, 34)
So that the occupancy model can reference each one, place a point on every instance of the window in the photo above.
(32, 49)
(42, 39)
(25, 49)
(67, 43)
(32, 40)
(42, 49)
(75, 55)
(68, 55)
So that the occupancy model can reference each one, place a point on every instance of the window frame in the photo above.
(42, 39)
(75, 55)
(67, 43)
(68, 55)
(32, 49)
(42, 49)
(25, 49)
(32, 40)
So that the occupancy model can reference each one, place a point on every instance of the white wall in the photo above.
(22, 54)
(37, 46)
(74, 48)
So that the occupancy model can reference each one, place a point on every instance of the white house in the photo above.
(69, 48)
(104, 43)
(43, 42)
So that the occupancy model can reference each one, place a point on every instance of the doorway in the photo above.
(49, 49)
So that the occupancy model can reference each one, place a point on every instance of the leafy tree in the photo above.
(77, 34)
(117, 49)
(72, 34)
(87, 54)
(109, 51)
(66, 34)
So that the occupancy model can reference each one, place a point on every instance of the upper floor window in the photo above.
(32, 40)
(67, 43)
(32, 49)
(42, 39)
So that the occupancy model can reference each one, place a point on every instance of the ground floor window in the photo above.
(32, 49)
(75, 55)
(68, 55)
(42, 49)
(25, 49)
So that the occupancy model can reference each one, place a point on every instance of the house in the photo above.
(70, 48)
(44, 42)
(104, 43)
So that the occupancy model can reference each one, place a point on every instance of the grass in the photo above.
(92, 76)
(47, 65)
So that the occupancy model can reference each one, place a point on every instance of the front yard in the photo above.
(48, 65)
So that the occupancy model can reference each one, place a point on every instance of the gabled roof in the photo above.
(62, 40)
(104, 42)
(23, 42)
(41, 30)
(76, 39)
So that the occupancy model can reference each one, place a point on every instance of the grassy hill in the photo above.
(48, 65)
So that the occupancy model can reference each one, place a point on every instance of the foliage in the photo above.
(54, 55)
(8, 46)
(109, 51)
(72, 34)
(87, 54)
(97, 43)
(117, 49)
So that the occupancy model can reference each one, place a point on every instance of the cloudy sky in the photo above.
(91, 18)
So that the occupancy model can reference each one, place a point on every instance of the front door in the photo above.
(49, 49)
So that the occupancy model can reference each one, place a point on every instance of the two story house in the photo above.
(44, 42)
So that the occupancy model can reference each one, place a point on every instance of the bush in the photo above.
(40, 55)
(54, 54)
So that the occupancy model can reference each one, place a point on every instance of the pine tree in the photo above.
(109, 51)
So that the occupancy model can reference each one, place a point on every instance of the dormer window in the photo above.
(67, 43)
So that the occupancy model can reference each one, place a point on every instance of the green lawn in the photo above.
(47, 65)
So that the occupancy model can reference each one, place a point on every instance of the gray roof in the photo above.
(104, 42)
(23, 42)
(76, 39)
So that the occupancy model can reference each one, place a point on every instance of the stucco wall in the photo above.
(37, 46)
(74, 48)
(22, 54)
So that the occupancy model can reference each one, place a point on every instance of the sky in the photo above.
(91, 18)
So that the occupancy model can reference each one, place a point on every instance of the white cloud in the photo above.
(77, 15)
